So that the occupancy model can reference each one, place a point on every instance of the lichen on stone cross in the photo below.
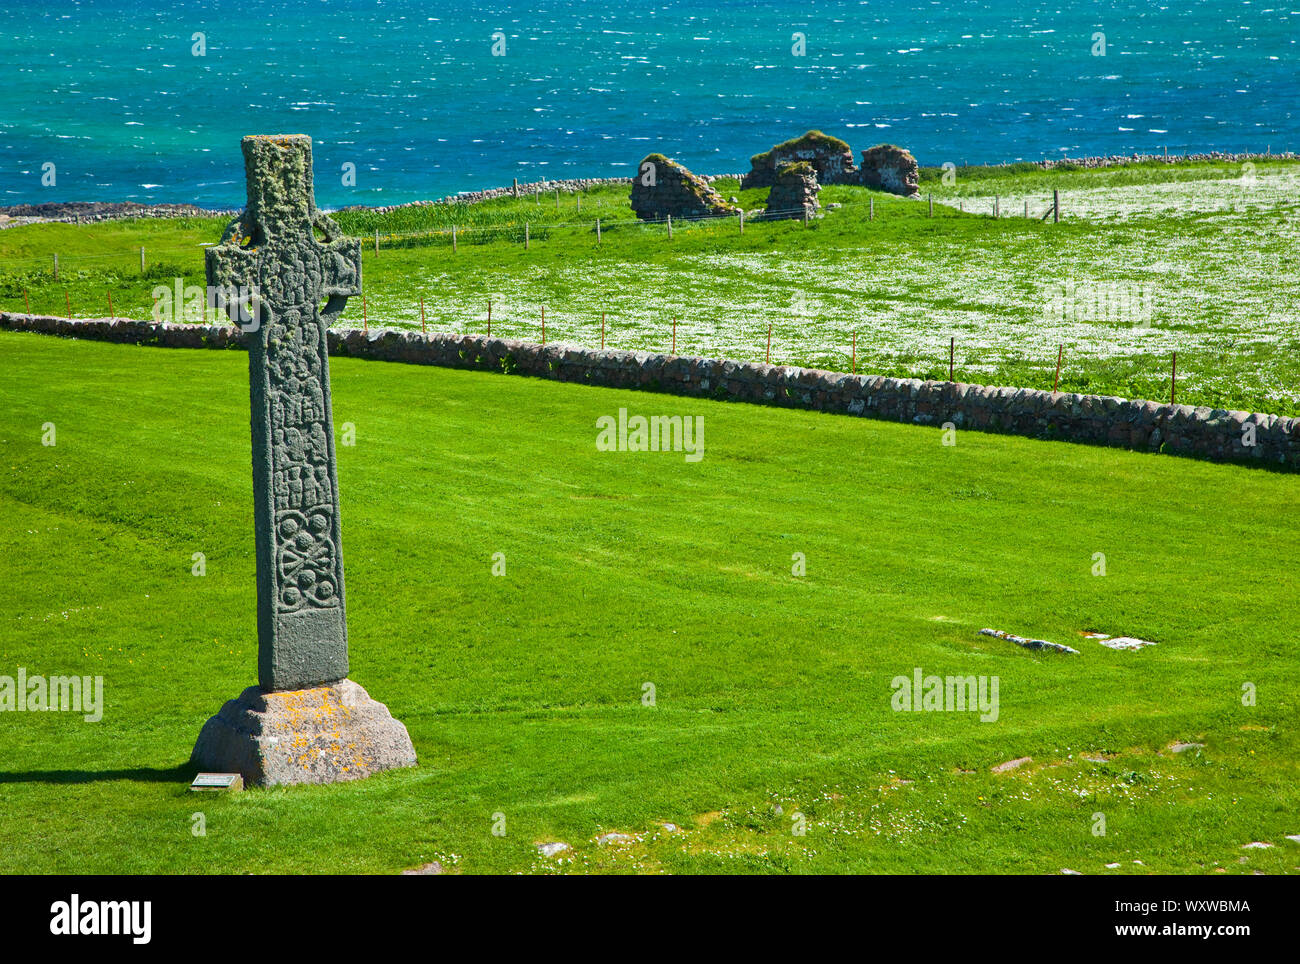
(300, 286)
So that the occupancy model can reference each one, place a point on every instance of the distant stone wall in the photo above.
(1104, 420)
(794, 195)
(830, 157)
(665, 189)
(891, 168)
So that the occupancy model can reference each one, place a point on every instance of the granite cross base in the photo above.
(320, 735)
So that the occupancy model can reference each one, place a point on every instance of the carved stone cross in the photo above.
(271, 250)
(306, 722)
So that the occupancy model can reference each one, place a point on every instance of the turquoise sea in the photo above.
(411, 93)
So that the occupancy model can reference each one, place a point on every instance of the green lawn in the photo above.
(523, 693)
(1194, 258)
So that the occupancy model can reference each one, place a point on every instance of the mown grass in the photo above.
(523, 693)
(884, 295)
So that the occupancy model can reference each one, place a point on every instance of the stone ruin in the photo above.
(891, 169)
(794, 194)
(662, 188)
(831, 160)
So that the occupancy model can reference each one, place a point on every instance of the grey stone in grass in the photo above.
(1028, 643)
(1010, 765)
(326, 734)
(613, 838)
(552, 849)
(1184, 747)
(305, 722)
(428, 870)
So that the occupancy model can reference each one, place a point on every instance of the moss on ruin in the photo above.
(810, 140)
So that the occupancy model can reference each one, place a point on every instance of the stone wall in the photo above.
(891, 169)
(663, 189)
(794, 195)
(1104, 420)
(830, 157)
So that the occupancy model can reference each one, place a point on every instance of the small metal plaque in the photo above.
(218, 781)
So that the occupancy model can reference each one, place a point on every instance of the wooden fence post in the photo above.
(525, 235)
(871, 209)
(598, 230)
(142, 259)
(670, 227)
(1056, 206)
(376, 240)
(516, 188)
(742, 220)
(931, 197)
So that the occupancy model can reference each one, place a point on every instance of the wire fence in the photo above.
(526, 231)
(783, 331)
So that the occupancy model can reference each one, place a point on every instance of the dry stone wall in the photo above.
(794, 195)
(892, 169)
(665, 189)
(830, 157)
(1103, 420)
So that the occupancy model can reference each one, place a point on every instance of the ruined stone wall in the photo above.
(891, 169)
(673, 191)
(1105, 420)
(794, 195)
(830, 157)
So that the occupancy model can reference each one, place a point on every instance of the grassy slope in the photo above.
(522, 693)
(1216, 255)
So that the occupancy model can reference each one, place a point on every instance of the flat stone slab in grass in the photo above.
(613, 838)
(321, 735)
(1184, 747)
(1010, 765)
(1028, 643)
(552, 849)
(1119, 642)
(428, 870)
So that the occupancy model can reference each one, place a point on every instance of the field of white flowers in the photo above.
(1204, 268)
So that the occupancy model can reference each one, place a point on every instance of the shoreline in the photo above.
(89, 212)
